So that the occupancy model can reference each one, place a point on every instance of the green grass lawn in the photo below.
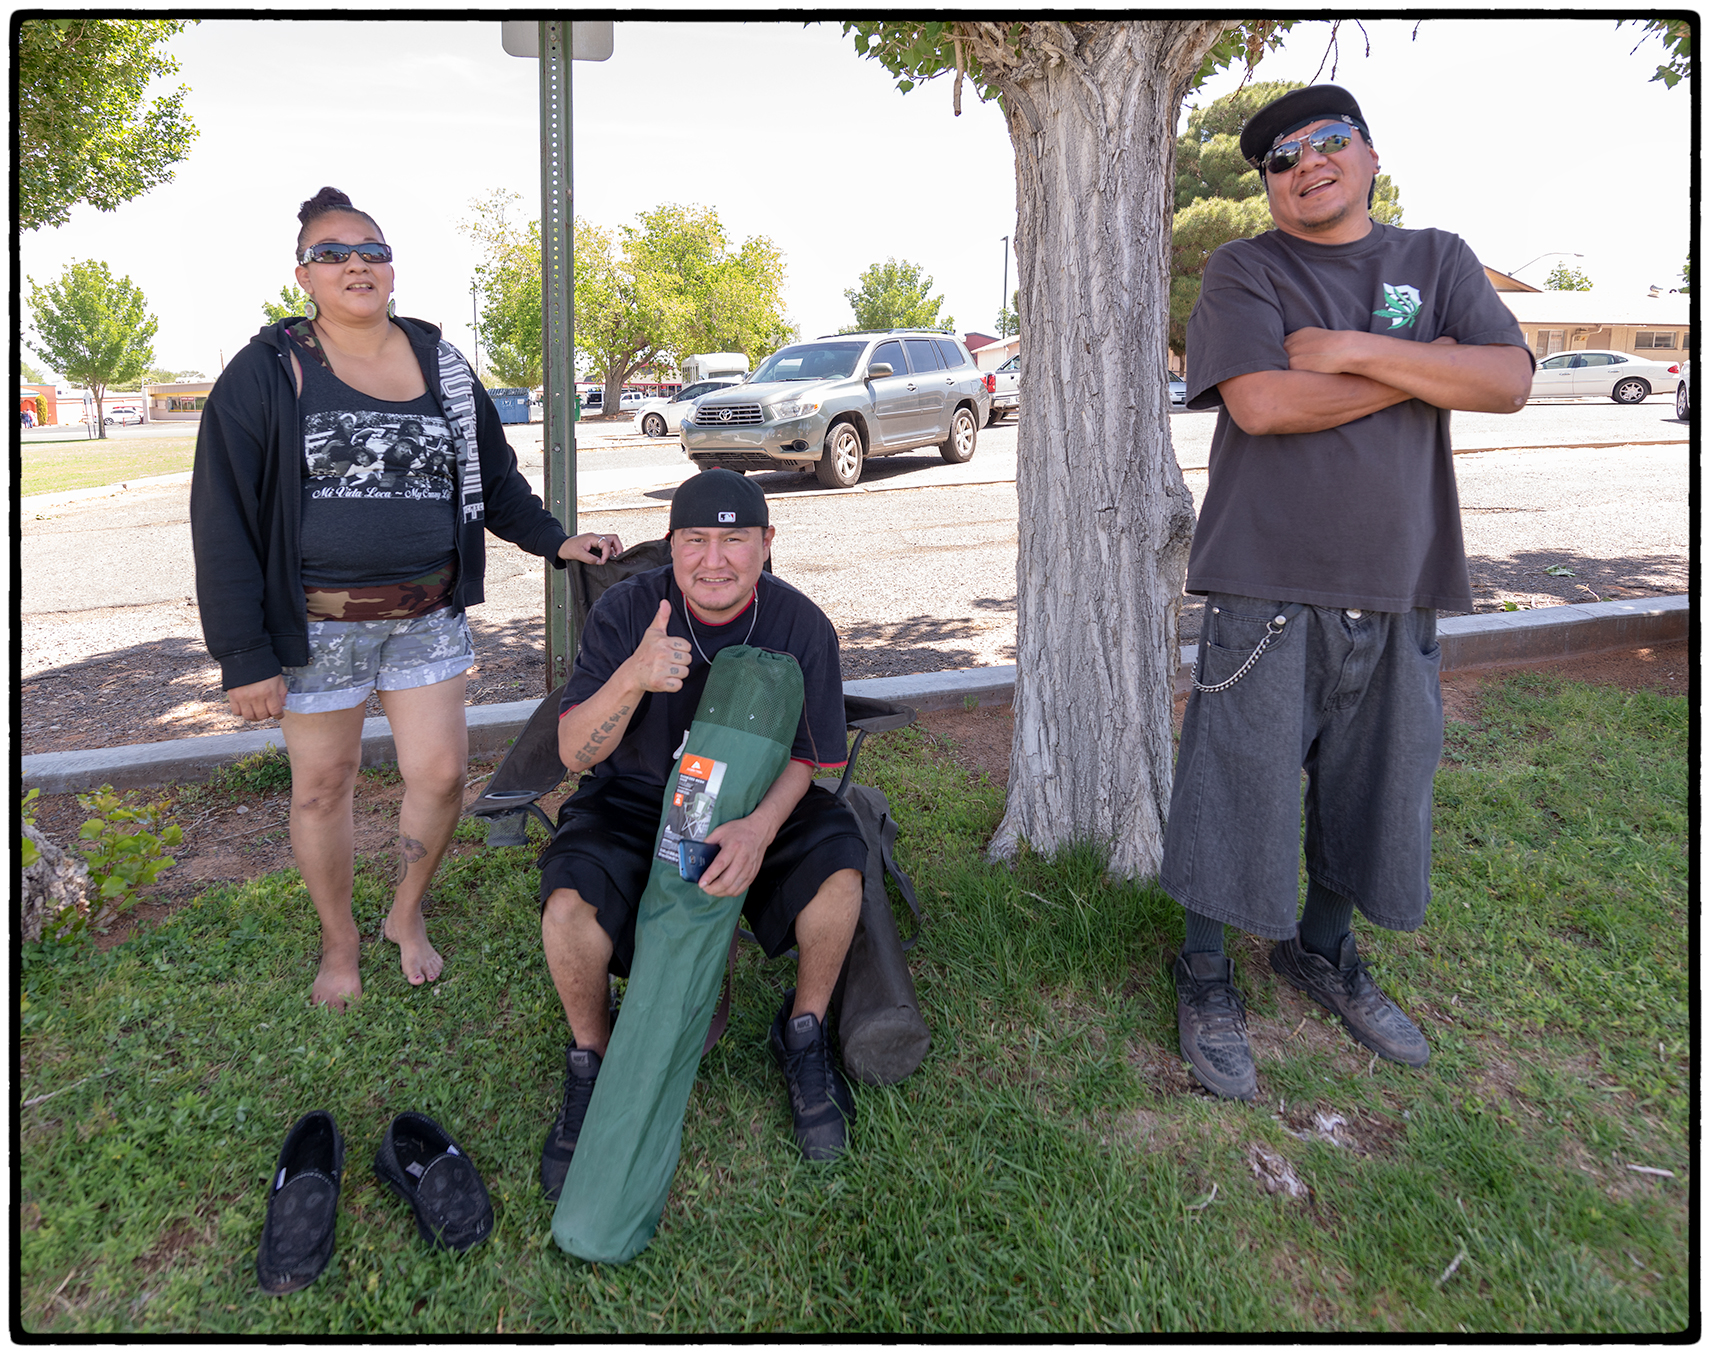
(1048, 1169)
(50, 467)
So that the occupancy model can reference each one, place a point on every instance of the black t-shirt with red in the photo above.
(778, 617)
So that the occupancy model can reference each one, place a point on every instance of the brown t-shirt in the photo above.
(1366, 514)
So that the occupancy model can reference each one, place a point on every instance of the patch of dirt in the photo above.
(231, 838)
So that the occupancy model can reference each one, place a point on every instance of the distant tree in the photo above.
(646, 295)
(1009, 318)
(155, 376)
(83, 132)
(1220, 197)
(1564, 278)
(1685, 287)
(893, 295)
(31, 375)
(94, 330)
(508, 276)
(291, 302)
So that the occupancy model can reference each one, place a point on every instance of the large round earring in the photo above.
(310, 309)
(391, 306)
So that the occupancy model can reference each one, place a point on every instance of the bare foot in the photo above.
(406, 929)
(339, 982)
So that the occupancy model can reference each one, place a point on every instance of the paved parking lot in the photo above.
(916, 566)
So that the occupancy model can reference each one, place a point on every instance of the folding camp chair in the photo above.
(880, 1027)
(532, 769)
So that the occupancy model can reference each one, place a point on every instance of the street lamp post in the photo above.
(475, 322)
(1548, 253)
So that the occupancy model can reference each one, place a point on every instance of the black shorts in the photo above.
(603, 849)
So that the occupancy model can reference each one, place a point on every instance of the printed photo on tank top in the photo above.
(371, 454)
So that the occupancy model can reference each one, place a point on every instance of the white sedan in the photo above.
(1600, 371)
(661, 417)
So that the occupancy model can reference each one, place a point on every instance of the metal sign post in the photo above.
(556, 43)
(557, 228)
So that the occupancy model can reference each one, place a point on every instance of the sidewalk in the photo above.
(1511, 637)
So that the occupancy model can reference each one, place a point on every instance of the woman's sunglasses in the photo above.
(1326, 141)
(340, 253)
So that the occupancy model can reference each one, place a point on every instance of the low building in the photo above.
(1563, 321)
(993, 353)
(177, 401)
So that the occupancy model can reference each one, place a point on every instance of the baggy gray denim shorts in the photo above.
(348, 659)
(1353, 699)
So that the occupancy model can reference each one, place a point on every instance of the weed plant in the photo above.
(1048, 1169)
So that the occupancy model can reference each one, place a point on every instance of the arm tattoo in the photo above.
(589, 752)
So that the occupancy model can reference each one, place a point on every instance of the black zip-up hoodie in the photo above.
(246, 507)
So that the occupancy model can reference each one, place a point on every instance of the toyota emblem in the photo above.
(724, 415)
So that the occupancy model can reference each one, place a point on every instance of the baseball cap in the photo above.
(1295, 110)
(718, 498)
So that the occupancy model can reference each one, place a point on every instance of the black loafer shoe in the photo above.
(434, 1176)
(302, 1206)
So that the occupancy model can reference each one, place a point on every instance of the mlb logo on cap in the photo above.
(727, 517)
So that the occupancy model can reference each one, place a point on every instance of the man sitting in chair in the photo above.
(646, 650)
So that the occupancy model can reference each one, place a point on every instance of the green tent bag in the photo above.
(627, 1153)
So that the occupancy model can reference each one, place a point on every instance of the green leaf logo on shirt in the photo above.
(1402, 305)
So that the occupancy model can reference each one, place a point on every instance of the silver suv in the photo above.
(829, 404)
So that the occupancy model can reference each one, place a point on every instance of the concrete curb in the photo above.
(1467, 641)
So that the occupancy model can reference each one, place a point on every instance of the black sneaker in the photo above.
(581, 1066)
(820, 1101)
(1348, 990)
(1212, 1024)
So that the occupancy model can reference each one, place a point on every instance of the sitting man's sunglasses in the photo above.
(339, 253)
(1326, 141)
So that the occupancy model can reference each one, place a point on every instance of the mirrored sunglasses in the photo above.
(1326, 141)
(340, 253)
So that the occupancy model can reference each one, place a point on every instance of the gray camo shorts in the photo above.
(348, 659)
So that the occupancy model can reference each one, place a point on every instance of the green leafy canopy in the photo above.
(84, 134)
(647, 294)
(92, 328)
(893, 295)
(291, 301)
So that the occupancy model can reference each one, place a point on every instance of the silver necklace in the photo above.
(689, 620)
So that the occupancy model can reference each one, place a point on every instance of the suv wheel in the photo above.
(959, 446)
(1682, 403)
(1630, 390)
(653, 425)
(840, 466)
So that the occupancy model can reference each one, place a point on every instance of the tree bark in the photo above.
(1105, 518)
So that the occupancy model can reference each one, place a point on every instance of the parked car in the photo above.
(1683, 393)
(660, 417)
(1178, 390)
(829, 404)
(122, 416)
(1004, 386)
(1600, 371)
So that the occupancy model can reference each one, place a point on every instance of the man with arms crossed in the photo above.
(1333, 348)
(645, 655)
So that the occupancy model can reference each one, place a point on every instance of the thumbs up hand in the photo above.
(661, 659)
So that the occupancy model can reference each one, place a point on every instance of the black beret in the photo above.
(1293, 111)
(718, 498)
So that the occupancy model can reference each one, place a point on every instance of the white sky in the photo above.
(1521, 135)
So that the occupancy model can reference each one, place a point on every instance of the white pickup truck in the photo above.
(1005, 387)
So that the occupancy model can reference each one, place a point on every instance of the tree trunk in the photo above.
(1105, 519)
